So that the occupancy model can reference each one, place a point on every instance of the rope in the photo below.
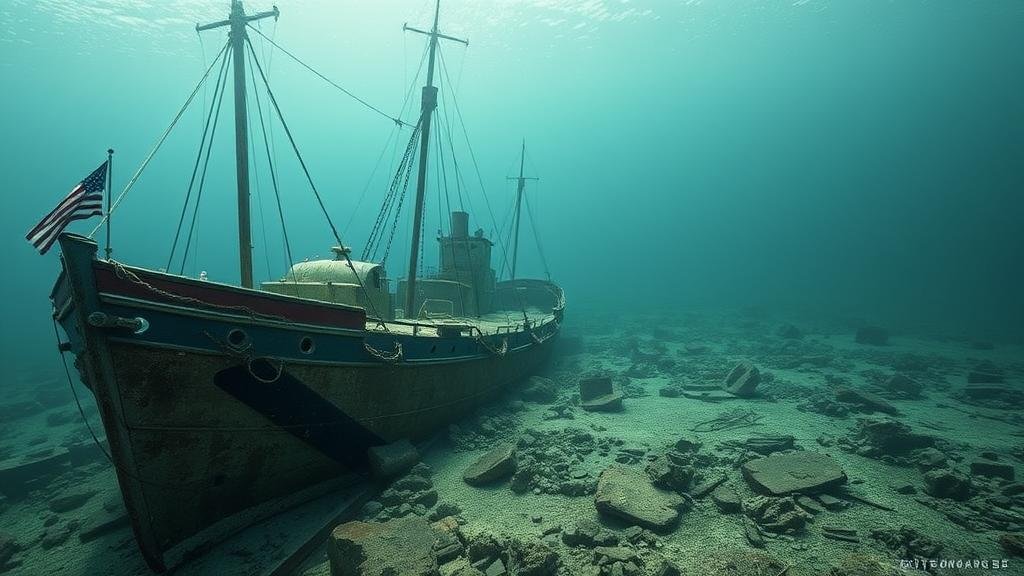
(123, 273)
(309, 178)
(247, 354)
(397, 121)
(202, 176)
(145, 162)
(390, 358)
(472, 155)
(256, 178)
(221, 77)
(536, 237)
(273, 173)
(402, 176)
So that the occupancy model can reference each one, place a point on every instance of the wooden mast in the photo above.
(427, 106)
(519, 201)
(238, 20)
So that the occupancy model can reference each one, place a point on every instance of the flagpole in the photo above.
(110, 174)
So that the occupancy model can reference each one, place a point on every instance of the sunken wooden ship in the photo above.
(224, 404)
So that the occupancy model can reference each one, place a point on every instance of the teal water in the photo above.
(845, 161)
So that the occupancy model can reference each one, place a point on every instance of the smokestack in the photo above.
(460, 224)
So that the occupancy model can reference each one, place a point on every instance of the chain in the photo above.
(125, 274)
(390, 358)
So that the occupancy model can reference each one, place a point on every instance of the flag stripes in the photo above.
(84, 201)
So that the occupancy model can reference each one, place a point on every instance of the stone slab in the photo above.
(787, 473)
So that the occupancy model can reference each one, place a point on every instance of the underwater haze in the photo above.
(857, 159)
(712, 169)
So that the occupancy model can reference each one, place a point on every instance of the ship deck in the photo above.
(488, 324)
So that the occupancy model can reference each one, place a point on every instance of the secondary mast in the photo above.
(519, 201)
(238, 20)
(427, 106)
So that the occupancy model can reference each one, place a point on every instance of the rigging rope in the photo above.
(159, 143)
(221, 75)
(202, 175)
(401, 179)
(256, 184)
(273, 175)
(394, 119)
(312, 185)
(472, 155)
(536, 237)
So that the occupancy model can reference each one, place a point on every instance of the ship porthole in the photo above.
(238, 339)
(306, 345)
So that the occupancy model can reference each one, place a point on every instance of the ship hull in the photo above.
(219, 414)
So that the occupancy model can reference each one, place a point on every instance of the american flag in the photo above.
(84, 201)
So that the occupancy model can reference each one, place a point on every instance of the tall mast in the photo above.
(427, 106)
(238, 20)
(519, 202)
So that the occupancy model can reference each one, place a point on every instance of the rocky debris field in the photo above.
(733, 445)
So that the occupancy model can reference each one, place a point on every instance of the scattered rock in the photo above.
(496, 568)
(905, 489)
(401, 547)
(390, 460)
(786, 473)
(665, 568)
(885, 437)
(830, 503)
(985, 373)
(486, 430)
(929, 458)
(991, 469)
(56, 535)
(908, 542)
(598, 395)
(872, 335)
(822, 403)
(530, 558)
(752, 533)
(742, 380)
(865, 400)
(553, 463)
(670, 391)
(627, 494)
(685, 445)
(781, 515)
(704, 488)
(809, 504)
(589, 534)
(8, 548)
(726, 498)
(1013, 544)
(495, 465)
(947, 483)
(70, 502)
(902, 387)
(765, 445)
(539, 390)
(668, 474)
